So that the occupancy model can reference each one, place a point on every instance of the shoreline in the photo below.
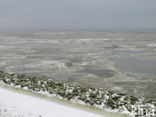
(56, 100)
(97, 98)
(28, 106)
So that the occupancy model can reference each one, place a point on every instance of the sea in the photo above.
(117, 61)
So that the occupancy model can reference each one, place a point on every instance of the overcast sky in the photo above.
(78, 14)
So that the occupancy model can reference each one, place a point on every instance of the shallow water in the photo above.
(136, 65)
(100, 72)
(118, 61)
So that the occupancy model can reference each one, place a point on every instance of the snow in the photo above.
(13, 104)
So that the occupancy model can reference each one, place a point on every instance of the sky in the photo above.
(77, 14)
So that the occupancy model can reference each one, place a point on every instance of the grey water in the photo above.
(118, 61)
(136, 65)
(100, 72)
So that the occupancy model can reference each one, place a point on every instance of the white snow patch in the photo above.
(13, 104)
(45, 63)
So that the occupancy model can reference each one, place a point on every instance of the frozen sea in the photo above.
(118, 61)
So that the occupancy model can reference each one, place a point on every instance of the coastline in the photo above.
(98, 98)
(28, 106)
(76, 106)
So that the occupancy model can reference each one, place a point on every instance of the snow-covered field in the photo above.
(13, 104)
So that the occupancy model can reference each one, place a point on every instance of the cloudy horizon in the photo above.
(77, 14)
